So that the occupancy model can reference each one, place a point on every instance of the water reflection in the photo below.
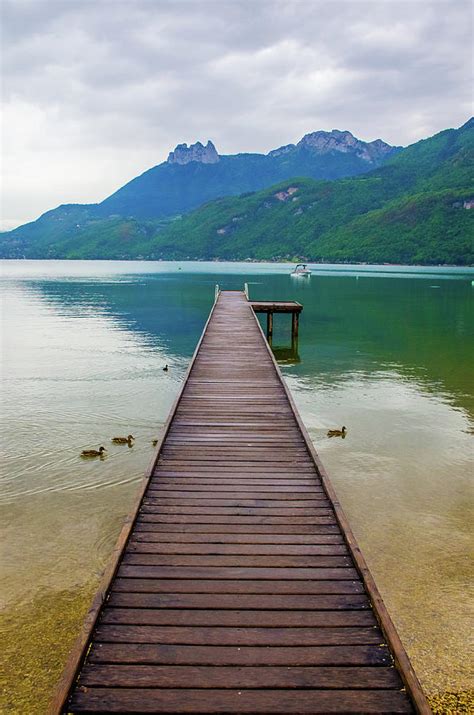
(346, 324)
(287, 355)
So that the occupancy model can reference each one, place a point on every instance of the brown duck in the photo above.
(93, 452)
(337, 432)
(123, 440)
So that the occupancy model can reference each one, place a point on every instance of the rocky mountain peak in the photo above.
(343, 141)
(184, 154)
(282, 150)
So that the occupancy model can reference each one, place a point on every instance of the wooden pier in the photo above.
(271, 307)
(237, 585)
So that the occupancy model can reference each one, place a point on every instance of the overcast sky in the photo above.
(96, 92)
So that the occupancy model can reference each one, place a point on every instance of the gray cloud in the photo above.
(96, 92)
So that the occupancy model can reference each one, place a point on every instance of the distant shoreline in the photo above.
(249, 261)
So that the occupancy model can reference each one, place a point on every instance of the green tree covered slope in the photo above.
(419, 208)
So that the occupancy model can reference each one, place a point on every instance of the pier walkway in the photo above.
(237, 585)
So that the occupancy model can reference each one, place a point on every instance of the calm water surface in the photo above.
(386, 352)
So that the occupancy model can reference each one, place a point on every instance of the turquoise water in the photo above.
(386, 351)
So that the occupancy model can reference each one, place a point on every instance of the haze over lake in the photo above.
(386, 351)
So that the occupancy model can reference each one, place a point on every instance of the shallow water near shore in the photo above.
(386, 351)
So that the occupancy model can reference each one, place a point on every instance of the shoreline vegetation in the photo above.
(256, 261)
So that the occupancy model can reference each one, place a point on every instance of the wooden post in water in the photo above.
(269, 326)
(272, 307)
(294, 325)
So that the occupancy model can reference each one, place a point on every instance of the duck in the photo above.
(165, 369)
(123, 440)
(154, 442)
(93, 452)
(337, 432)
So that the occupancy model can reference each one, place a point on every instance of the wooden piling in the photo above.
(269, 326)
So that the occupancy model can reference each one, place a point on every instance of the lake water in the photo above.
(386, 351)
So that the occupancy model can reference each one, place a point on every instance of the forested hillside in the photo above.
(416, 208)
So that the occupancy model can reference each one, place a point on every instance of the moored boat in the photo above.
(301, 271)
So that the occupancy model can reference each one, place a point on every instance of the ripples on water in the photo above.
(84, 344)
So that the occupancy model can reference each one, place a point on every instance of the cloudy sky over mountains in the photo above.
(97, 91)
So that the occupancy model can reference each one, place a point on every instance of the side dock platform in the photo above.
(236, 585)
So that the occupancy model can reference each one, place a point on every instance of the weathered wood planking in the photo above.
(237, 585)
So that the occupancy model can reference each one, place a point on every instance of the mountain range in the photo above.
(331, 197)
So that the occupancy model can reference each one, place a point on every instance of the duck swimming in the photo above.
(165, 369)
(93, 452)
(337, 432)
(154, 442)
(123, 440)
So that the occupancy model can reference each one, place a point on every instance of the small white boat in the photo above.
(301, 271)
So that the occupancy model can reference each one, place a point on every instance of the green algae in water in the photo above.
(452, 703)
(36, 641)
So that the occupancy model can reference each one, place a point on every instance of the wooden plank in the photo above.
(215, 560)
(236, 528)
(277, 589)
(236, 549)
(231, 441)
(145, 615)
(279, 472)
(176, 538)
(276, 306)
(170, 676)
(236, 572)
(257, 487)
(219, 636)
(256, 484)
(197, 510)
(186, 496)
(148, 700)
(143, 653)
(248, 519)
(219, 505)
